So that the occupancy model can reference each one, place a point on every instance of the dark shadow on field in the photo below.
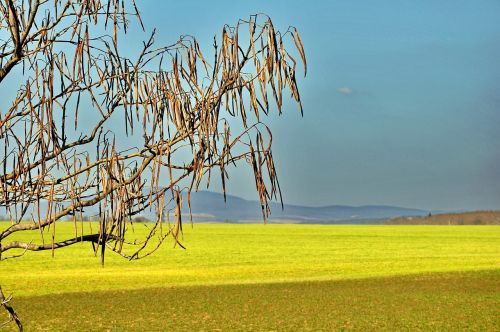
(438, 301)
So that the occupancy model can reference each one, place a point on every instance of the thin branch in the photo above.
(13, 316)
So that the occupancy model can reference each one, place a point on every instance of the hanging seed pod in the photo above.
(76, 74)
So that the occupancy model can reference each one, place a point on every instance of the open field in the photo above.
(447, 302)
(270, 277)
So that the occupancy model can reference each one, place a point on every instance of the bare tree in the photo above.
(70, 95)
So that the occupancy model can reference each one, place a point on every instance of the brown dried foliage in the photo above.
(463, 218)
(59, 137)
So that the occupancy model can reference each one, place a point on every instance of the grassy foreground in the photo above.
(445, 302)
(270, 277)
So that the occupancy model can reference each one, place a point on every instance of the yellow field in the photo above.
(238, 254)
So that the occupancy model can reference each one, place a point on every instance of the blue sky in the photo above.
(402, 98)
(402, 102)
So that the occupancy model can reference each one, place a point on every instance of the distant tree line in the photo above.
(465, 218)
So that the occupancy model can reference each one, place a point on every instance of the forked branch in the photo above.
(12, 313)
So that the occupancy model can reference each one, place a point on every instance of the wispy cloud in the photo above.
(345, 90)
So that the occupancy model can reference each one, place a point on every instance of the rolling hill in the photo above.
(210, 206)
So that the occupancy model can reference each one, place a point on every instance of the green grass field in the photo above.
(269, 277)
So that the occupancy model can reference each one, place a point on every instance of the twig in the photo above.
(12, 313)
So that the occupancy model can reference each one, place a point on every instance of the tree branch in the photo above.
(12, 313)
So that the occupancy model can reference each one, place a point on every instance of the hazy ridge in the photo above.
(210, 206)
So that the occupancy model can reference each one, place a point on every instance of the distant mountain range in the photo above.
(210, 206)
